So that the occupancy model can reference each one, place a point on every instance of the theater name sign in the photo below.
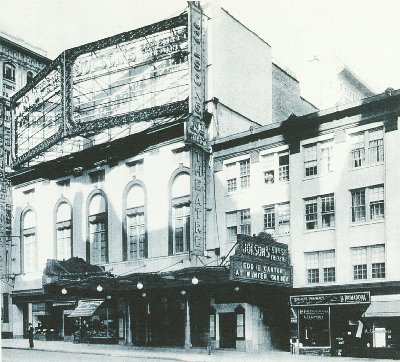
(261, 261)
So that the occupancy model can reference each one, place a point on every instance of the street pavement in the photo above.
(57, 351)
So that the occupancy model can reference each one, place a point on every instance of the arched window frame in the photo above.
(126, 212)
(100, 218)
(9, 71)
(30, 232)
(62, 225)
(183, 201)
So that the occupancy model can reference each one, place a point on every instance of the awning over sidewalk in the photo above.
(86, 308)
(390, 308)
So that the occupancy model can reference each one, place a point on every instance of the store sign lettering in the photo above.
(326, 299)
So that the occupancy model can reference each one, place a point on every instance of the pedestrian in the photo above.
(30, 335)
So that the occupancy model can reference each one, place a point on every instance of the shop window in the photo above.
(63, 231)
(180, 214)
(135, 222)
(372, 196)
(368, 262)
(238, 222)
(29, 247)
(318, 158)
(29, 77)
(240, 322)
(9, 71)
(319, 212)
(98, 238)
(314, 327)
(237, 175)
(277, 218)
(366, 143)
(320, 266)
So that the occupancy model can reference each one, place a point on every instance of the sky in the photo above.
(364, 33)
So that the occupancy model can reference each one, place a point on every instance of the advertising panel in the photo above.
(330, 299)
(261, 261)
(129, 76)
(195, 131)
(37, 113)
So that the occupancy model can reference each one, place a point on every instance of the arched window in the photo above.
(179, 241)
(63, 231)
(136, 223)
(97, 220)
(28, 238)
(29, 77)
(9, 71)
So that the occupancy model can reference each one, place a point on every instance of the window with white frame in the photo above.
(180, 242)
(9, 71)
(29, 247)
(98, 238)
(276, 167)
(372, 196)
(238, 222)
(135, 223)
(320, 266)
(237, 175)
(277, 218)
(367, 148)
(63, 232)
(320, 212)
(368, 262)
(318, 158)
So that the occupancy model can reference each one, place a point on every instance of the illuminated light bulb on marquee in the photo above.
(99, 288)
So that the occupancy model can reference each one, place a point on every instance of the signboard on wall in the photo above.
(331, 299)
(198, 166)
(195, 130)
(261, 261)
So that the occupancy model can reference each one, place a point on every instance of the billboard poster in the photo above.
(195, 131)
(137, 74)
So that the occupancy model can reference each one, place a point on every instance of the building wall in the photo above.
(159, 165)
(239, 77)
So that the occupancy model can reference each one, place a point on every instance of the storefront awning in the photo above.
(390, 308)
(86, 308)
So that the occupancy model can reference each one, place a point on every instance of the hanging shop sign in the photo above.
(331, 299)
(259, 261)
(195, 130)
(198, 164)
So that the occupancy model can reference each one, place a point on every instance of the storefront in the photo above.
(329, 324)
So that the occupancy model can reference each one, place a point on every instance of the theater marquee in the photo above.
(260, 261)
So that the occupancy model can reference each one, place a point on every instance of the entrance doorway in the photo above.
(227, 330)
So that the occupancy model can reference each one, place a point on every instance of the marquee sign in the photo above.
(260, 261)
(195, 131)
(330, 299)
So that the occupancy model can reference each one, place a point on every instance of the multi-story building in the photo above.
(325, 184)
(113, 194)
(19, 63)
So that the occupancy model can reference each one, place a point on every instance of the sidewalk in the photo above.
(175, 354)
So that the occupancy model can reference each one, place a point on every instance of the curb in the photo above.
(106, 354)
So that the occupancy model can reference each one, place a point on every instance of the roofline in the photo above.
(244, 26)
(324, 116)
(34, 54)
(286, 72)
(357, 79)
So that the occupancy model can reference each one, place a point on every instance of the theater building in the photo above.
(113, 194)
